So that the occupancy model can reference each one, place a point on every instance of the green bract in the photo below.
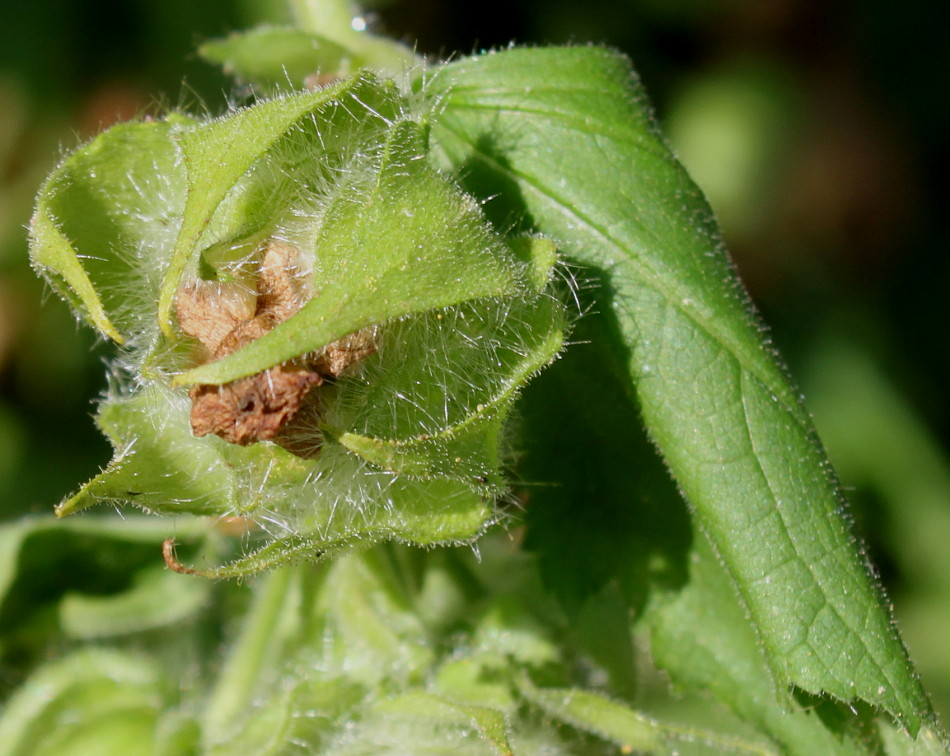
(424, 320)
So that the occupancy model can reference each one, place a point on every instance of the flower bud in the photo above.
(320, 332)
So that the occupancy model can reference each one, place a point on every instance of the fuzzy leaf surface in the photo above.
(398, 239)
(159, 465)
(703, 639)
(222, 152)
(566, 135)
(103, 230)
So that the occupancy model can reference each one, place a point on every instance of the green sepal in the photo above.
(159, 465)
(221, 154)
(466, 444)
(275, 57)
(399, 239)
(425, 513)
(406, 445)
(103, 228)
(470, 451)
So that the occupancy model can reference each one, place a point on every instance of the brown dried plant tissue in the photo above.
(224, 316)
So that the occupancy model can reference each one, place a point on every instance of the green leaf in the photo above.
(43, 561)
(219, 154)
(375, 638)
(928, 743)
(315, 641)
(600, 487)
(565, 136)
(704, 640)
(264, 730)
(419, 722)
(631, 730)
(444, 713)
(341, 22)
(157, 598)
(94, 215)
(257, 646)
(398, 239)
(94, 701)
(276, 57)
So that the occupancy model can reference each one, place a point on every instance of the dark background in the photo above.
(818, 130)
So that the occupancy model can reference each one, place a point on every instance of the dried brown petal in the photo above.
(335, 358)
(210, 310)
(225, 317)
(253, 408)
(280, 286)
(241, 334)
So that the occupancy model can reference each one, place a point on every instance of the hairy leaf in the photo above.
(567, 136)
(103, 230)
(276, 57)
(220, 153)
(395, 241)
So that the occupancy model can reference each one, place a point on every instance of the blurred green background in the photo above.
(817, 129)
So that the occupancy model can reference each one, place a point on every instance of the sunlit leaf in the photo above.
(276, 57)
(104, 224)
(219, 153)
(398, 240)
(566, 135)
